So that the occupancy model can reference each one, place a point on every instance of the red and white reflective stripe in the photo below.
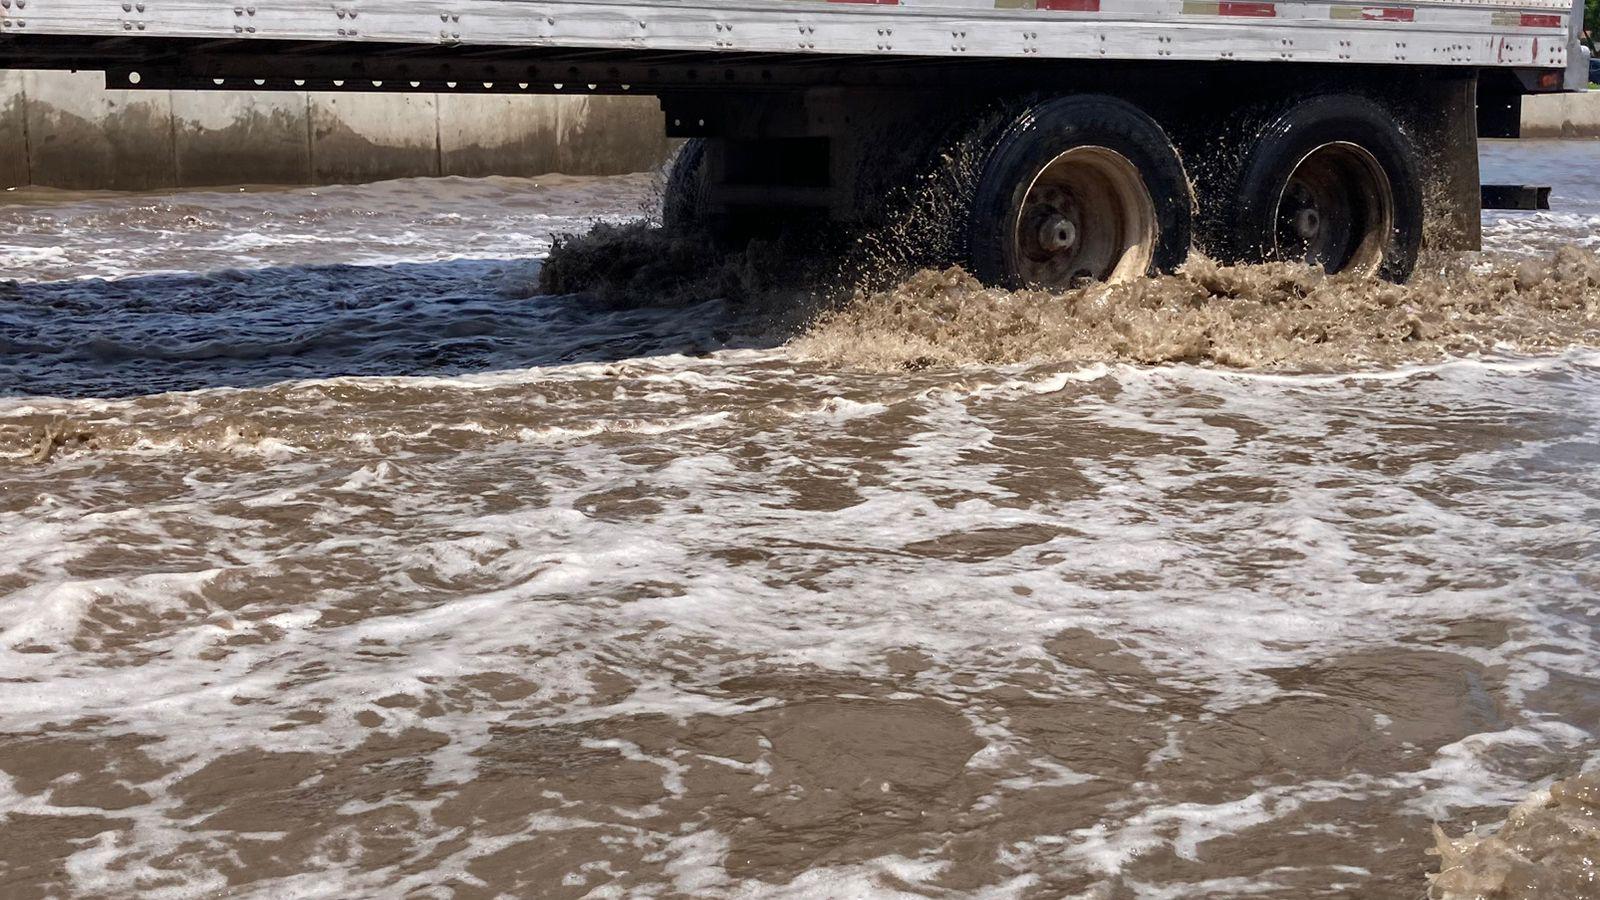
(1372, 13)
(1528, 20)
(1243, 8)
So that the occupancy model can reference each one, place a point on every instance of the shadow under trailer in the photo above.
(1068, 139)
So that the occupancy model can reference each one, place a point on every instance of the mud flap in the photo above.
(1442, 118)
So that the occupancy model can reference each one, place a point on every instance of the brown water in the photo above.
(339, 562)
(1255, 317)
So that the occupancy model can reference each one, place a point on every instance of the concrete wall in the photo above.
(1561, 115)
(13, 130)
(63, 129)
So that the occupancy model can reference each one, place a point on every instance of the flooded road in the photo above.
(338, 562)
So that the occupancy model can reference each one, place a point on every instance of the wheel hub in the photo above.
(1087, 216)
(1057, 233)
(1308, 224)
(1336, 211)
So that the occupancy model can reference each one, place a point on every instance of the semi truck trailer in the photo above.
(1065, 140)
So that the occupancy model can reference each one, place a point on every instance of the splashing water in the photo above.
(1549, 846)
(1272, 316)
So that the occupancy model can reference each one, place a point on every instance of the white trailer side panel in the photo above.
(1489, 33)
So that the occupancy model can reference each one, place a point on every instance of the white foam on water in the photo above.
(1463, 775)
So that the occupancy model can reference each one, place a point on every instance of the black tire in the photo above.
(1247, 197)
(683, 199)
(685, 206)
(1038, 137)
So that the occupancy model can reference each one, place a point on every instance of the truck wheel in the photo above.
(1333, 182)
(1079, 189)
(683, 199)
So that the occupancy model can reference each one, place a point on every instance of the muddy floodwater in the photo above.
(336, 561)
